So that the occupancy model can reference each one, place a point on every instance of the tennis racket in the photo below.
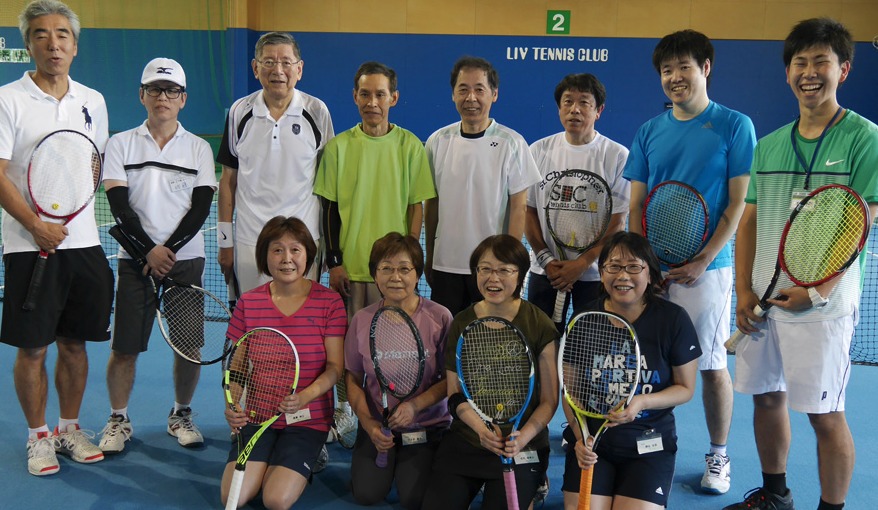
(496, 372)
(62, 177)
(262, 369)
(578, 212)
(599, 367)
(398, 357)
(192, 320)
(675, 221)
(825, 234)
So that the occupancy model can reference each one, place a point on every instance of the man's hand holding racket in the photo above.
(47, 235)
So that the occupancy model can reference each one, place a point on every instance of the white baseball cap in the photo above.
(163, 69)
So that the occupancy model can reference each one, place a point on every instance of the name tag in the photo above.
(797, 197)
(180, 183)
(649, 442)
(300, 415)
(414, 437)
(526, 457)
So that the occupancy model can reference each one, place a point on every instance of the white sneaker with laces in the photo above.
(180, 425)
(41, 458)
(717, 474)
(117, 430)
(76, 444)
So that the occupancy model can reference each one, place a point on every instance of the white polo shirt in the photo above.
(474, 178)
(275, 161)
(160, 181)
(27, 115)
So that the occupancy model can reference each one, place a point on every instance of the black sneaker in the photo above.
(761, 499)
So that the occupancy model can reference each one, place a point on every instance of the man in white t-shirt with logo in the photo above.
(160, 181)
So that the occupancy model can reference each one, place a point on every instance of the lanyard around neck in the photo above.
(809, 167)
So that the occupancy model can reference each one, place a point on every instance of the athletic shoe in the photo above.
(345, 423)
(542, 492)
(717, 474)
(76, 444)
(761, 499)
(41, 458)
(322, 460)
(117, 430)
(180, 425)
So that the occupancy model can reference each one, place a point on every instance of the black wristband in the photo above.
(333, 259)
(454, 401)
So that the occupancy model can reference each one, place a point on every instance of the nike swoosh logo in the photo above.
(830, 163)
(224, 236)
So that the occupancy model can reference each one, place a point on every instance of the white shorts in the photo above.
(808, 360)
(709, 304)
(249, 276)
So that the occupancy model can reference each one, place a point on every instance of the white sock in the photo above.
(178, 406)
(123, 412)
(63, 423)
(32, 433)
(717, 449)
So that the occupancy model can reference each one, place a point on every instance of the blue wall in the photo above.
(748, 76)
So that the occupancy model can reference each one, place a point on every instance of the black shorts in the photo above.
(74, 301)
(135, 302)
(646, 477)
(295, 448)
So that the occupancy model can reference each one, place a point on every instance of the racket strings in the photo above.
(824, 236)
(599, 364)
(265, 369)
(186, 325)
(397, 356)
(64, 172)
(578, 212)
(676, 222)
(496, 368)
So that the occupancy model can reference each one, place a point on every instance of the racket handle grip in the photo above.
(739, 337)
(235, 489)
(511, 487)
(381, 458)
(36, 282)
(559, 307)
(585, 489)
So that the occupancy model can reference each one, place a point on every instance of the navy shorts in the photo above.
(295, 448)
(74, 301)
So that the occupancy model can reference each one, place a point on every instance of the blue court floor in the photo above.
(155, 473)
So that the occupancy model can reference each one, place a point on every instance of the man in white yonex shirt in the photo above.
(160, 181)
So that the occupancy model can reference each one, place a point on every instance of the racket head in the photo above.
(495, 368)
(675, 221)
(193, 321)
(63, 174)
(825, 234)
(397, 352)
(599, 363)
(578, 209)
(261, 369)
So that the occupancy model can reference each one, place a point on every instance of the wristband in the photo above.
(224, 234)
(817, 301)
(544, 257)
(333, 259)
(454, 401)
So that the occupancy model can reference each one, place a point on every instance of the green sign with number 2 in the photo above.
(557, 22)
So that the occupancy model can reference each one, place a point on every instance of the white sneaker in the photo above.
(344, 427)
(717, 474)
(76, 444)
(180, 425)
(117, 430)
(322, 460)
(41, 458)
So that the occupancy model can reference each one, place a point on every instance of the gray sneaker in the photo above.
(180, 425)
(322, 460)
(116, 432)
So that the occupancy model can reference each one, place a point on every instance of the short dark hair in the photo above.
(373, 67)
(582, 82)
(394, 244)
(39, 8)
(819, 32)
(274, 38)
(469, 62)
(276, 228)
(637, 246)
(506, 249)
(685, 43)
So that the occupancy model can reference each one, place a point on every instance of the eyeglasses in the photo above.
(503, 272)
(630, 268)
(170, 93)
(389, 270)
(270, 64)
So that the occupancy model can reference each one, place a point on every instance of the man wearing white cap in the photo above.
(160, 182)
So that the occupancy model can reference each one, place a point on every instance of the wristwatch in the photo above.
(817, 301)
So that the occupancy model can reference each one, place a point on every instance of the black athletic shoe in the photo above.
(761, 499)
